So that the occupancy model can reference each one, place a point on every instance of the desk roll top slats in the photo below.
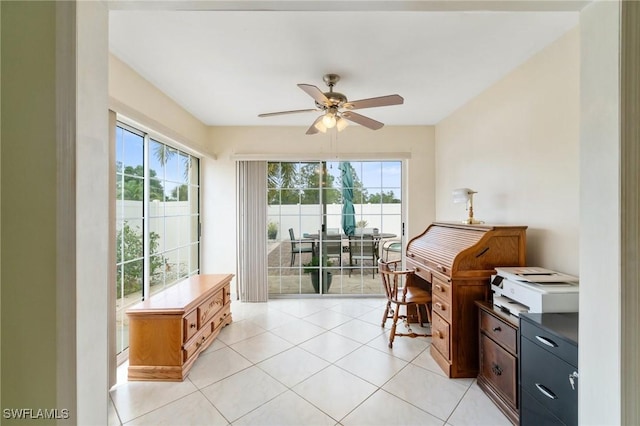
(171, 328)
(457, 261)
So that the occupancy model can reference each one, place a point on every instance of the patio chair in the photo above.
(401, 293)
(363, 248)
(333, 247)
(390, 246)
(299, 247)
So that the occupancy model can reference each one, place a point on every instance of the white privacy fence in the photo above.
(171, 221)
(307, 218)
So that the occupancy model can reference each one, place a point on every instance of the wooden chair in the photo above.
(298, 247)
(399, 295)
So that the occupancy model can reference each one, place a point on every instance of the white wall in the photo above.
(517, 145)
(600, 285)
(132, 96)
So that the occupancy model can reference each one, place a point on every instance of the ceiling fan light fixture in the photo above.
(341, 124)
(320, 126)
(329, 120)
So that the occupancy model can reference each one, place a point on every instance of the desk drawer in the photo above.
(441, 289)
(442, 307)
(440, 336)
(546, 378)
(499, 331)
(532, 413)
(419, 269)
(499, 368)
(549, 342)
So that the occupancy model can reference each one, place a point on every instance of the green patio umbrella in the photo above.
(348, 212)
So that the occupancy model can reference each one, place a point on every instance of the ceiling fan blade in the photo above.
(362, 120)
(295, 111)
(313, 129)
(375, 102)
(315, 93)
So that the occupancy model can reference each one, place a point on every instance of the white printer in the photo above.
(534, 289)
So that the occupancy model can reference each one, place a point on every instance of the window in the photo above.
(157, 219)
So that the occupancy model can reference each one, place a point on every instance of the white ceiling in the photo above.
(226, 67)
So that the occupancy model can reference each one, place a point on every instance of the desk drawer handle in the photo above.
(192, 325)
(439, 334)
(439, 288)
(545, 391)
(496, 329)
(441, 268)
(547, 342)
(496, 369)
(440, 306)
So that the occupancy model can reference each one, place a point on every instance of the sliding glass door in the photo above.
(328, 224)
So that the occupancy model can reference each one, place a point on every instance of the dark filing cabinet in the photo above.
(548, 369)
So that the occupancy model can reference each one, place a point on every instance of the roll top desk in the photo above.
(457, 261)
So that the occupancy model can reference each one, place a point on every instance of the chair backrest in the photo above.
(362, 246)
(333, 231)
(393, 279)
(333, 244)
(293, 238)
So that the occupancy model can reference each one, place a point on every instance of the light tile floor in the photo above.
(306, 362)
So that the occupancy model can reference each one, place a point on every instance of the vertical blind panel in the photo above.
(252, 233)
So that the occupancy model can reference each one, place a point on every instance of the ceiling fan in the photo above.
(336, 109)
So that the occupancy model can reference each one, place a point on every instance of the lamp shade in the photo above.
(462, 195)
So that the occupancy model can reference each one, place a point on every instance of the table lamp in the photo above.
(465, 195)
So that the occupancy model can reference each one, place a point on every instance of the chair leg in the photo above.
(293, 257)
(386, 313)
(392, 334)
(419, 315)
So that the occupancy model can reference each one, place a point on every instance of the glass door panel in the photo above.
(327, 222)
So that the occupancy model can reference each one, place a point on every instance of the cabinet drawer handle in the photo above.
(198, 344)
(439, 334)
(192, 325)
(441, 268)
(496, 329)
(496, 369)
(439, 288)
(547, 342)
(440, 306)
(545, 391)
(411, 254)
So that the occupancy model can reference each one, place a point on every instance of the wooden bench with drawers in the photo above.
(171, 328)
